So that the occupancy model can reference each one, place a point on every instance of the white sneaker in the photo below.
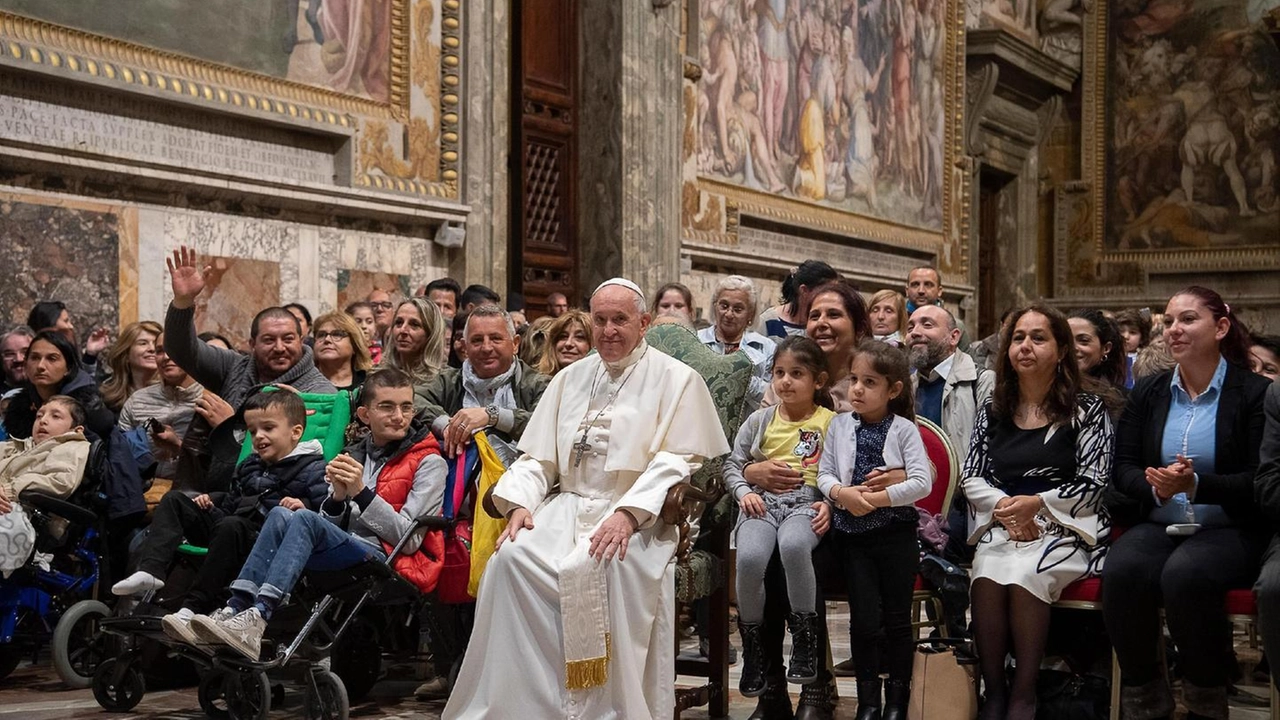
(241, 632)
(137, 584)
(178, 626)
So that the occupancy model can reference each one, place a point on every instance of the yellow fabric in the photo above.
(798, 444)
(484, 529)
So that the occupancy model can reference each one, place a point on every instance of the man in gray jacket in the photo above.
(949, 389)
(278, 355)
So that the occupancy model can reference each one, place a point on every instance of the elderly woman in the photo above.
(415, 344)
(888, 311)
(1038, 463)
(132, 362)
(1186, 453)
(53, 368)
(734, 308)
(675, 300)
(341, 352)
(569, 339)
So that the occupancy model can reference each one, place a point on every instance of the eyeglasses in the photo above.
(390, 408)
(380, 305)
(334, 335)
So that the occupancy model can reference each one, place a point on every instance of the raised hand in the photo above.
(99, 340)
(186, 277)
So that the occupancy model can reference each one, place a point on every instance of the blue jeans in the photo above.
(293, 541)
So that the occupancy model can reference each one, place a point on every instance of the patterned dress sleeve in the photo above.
(1076, 503)
(979, 485)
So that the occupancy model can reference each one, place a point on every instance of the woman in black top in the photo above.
(1186, 452)
(53, 368)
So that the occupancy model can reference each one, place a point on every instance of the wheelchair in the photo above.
(328, 639)
(50, 601)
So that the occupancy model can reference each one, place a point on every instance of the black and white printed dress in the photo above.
(1068, 466)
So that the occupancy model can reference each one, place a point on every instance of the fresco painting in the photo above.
(838, 102)
(1194, 126)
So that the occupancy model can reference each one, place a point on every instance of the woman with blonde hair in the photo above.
(341, 352)
(569, 340)
(131, 360)
(888, 310)
(415, 344)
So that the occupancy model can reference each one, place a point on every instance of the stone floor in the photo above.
(35, 693)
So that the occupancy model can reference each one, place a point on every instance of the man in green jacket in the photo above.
(493, 390)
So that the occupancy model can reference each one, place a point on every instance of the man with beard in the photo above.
(13, 355)
(949, 389)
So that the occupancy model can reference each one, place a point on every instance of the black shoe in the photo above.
(775, 703)
(815, 702)
(752, 682)
(868, 700)
(803, 668)
(897, 696)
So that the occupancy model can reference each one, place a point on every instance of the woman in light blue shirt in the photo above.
(1186, 452)
(734, 308)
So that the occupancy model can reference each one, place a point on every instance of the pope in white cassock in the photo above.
(575, 615)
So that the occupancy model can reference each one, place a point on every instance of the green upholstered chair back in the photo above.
(327, 418)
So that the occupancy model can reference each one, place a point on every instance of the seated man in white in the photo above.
(575, 616)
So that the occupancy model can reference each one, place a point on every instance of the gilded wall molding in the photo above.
(424, 93)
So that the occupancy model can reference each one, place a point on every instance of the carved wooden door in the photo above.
(543, 165)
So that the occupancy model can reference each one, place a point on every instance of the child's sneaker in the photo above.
(241, 632)
(137, 584)
(178, 626)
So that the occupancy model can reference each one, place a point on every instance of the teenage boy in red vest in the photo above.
(377, 489)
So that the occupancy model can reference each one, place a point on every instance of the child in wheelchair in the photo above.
(280, 472)
(52, 461)
(378, 489)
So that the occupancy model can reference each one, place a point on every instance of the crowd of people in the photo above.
(1142, 447)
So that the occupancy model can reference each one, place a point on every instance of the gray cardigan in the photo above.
(746, 450)
(902, 449)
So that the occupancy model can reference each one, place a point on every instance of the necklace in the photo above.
(582, 446)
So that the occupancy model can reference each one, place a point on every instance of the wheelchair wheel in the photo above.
(212, 694)
(247, 695)
(118, 696)
(327, 699)
(78, 645)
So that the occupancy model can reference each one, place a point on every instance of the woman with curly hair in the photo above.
(568, 341)
(131, 360)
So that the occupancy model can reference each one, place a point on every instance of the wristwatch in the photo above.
(492, 411)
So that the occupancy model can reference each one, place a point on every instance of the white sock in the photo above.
(136, 584)
(185, 614)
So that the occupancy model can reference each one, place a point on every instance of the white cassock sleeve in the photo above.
(525, 485)
(645, 498)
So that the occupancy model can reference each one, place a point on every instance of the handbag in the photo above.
(943, 687)
(456, 573)
(1064, 695)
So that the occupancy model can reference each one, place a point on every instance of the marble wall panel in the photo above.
(236, 290)
(63, 251)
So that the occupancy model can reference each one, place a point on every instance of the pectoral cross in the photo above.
(580, 447)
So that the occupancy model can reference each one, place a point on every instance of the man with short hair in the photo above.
(476, 295)
(444, 292)
(278, 354)
(924, 287)
(949, 388)
(493, 391)
(557, 304)
(13, 355)
(384, 310)
(575, 609)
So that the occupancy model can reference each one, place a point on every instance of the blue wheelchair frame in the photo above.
(47, 593)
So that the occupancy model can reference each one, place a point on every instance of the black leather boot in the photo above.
(752, 683)
(803, 668)
(815, 702)
(897, 696)
(775, 703)
(868, 700)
